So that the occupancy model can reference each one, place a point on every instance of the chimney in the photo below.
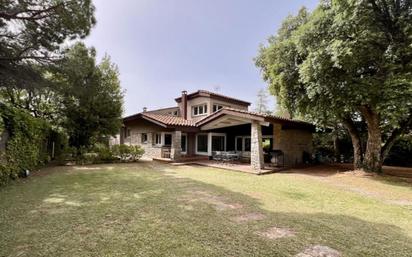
(184, 104)
(144, 109)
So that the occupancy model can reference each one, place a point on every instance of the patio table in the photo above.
(230, 156)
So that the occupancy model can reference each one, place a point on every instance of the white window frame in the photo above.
(204, 109)
(155, 139)
(243, 143)
(219, 135)
(208, 143)
(184, 135)
(217, 107)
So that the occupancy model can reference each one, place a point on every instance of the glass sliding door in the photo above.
(218, 143)
(184, 143)
(201, 143)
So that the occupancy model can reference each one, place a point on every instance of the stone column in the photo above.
(256, 149)
(175, 151)
(150, 139)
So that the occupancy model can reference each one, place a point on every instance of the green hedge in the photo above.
(28, 143)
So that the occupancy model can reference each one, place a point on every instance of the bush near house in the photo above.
(101, 153)
(128, 152)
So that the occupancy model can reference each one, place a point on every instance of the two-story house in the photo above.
(204, 122)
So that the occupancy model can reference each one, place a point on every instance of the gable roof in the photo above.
(254, 116)
(206, 93)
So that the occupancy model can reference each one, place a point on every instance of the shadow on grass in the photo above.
(139, 209)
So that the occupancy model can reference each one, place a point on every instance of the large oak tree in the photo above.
(348, 61)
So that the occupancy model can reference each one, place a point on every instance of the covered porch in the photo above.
(260, 141)
(237, 140)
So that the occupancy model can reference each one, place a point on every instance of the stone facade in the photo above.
(176, 149)
(136, 129)
(293, 142)
(256, 153)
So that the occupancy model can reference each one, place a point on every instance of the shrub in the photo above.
(128, 152)
(28, 143)
(104, 153)
(136, 152)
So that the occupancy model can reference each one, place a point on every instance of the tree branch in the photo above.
(31, 15)
(403, 127)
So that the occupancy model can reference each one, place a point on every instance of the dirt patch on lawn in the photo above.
(249, 217)
(218, 202)
(401, 202)
(276, 232)
(319, 251)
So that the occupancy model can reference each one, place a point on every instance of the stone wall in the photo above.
(141, 126)
(293, 142)
(256, 150)
(176, 149)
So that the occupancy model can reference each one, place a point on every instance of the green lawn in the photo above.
(151, 209)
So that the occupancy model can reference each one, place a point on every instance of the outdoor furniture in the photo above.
(217, 155)
(225, 156)
(166, 152)
(278, 158)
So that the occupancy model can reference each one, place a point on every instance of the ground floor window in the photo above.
(168, 140)
(158, 139)
(243, 144)
(202, 143)
(183, 143)
(144, 138)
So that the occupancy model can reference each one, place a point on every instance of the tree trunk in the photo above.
(356, 142)
(336, 148)
(373, 160)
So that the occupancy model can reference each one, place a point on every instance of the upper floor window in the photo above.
(217, 107)
(174, 113)
(199, 109)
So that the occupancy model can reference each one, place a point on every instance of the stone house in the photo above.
(204, 123)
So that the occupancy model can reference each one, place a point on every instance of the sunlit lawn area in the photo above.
(152, 209)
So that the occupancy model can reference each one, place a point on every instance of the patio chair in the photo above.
(217, 155)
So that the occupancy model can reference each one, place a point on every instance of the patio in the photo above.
(234, 165)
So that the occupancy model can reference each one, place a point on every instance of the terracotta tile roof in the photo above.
(208, 93)
(169, 119)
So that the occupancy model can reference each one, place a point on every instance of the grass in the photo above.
(151, 209)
